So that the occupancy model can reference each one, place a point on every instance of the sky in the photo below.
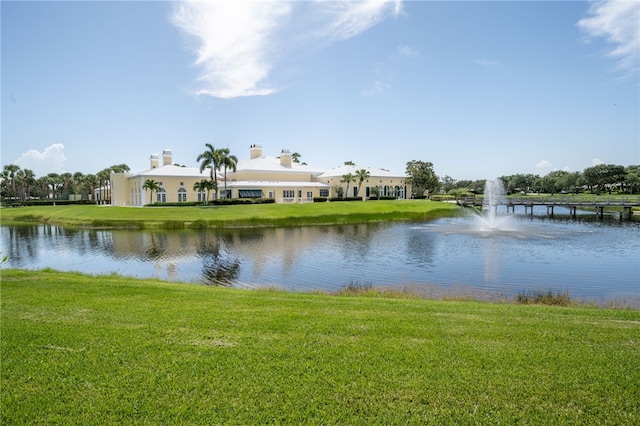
(480, 89)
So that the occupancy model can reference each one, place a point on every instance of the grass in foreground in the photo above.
(230, 216)
(93, 350)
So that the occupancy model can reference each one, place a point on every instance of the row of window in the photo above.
(161, 194)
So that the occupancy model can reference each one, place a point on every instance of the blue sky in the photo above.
(480, 89)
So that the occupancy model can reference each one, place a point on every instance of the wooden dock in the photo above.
(599, 206)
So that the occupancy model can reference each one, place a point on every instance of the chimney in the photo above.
(167, 157)
(285, 158)
(154, 160)
(255, 151)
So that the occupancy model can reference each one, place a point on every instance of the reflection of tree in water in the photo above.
(156, 249)
(219, 267)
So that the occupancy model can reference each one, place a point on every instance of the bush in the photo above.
(319, 199)
(549, 297)
(345, 199)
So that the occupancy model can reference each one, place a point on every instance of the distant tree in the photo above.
(447, 183)
(422, 177)
(361, 176)
(9, 180)
(348, 178)
(295, 157)
(90, 182)
(604, 176)
(54, 182)
(152, 186)
(26, 180)
(632, 178)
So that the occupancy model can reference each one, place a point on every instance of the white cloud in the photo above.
(407, 51)
(350, 18)
(596, 162)
(377, 88)
(51, 160)
(619, 23)
(238, 43)
(544, 164)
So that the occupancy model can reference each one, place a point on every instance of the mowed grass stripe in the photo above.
(92, 350)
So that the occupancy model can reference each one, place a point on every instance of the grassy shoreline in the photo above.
(258, 215)
(93, 350)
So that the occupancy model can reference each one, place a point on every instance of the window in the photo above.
(324, 192)
(202, 196)
(309, 194)
(249, 193)
(288, 193)
(182, 195)
(161, 196)
(299, 193)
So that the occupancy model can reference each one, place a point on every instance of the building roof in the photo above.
(176, 171)
(273, 184)
(346, 169)
(266, 163)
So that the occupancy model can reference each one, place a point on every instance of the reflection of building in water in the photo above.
(255, 249)
(282, 178)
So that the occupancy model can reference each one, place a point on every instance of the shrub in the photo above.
(538, 297)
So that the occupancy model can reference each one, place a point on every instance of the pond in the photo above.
(593, 260)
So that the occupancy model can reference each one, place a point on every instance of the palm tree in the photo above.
(26, 180)
(152, 186)
(9, 176)
(228, 162)
(211, 159)
(295, 157)
(53, 181)
(205, 185)
(90, 182)
(362, 175)
(348, 178)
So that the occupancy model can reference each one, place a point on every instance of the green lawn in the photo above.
(228, 216)
(112, 350)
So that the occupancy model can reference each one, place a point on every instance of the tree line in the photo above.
(20, 184)
(602, 178)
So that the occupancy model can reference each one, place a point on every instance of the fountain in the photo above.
(489, 220)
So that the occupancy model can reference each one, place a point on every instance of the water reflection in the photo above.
(591, 260)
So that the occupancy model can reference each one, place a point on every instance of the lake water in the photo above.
(597, 261)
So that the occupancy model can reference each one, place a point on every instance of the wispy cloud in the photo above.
(407, 51)
(51, 160)
(350, 18)
(596, 162)
(238, 44)
(618, 22)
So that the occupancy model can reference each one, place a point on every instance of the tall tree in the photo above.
(422, 177)
(348, 178)
(228, 162)
(53, 181)
(9, 175)
(26, 180)
(152, 186)
(211, 159)
(361, 176)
